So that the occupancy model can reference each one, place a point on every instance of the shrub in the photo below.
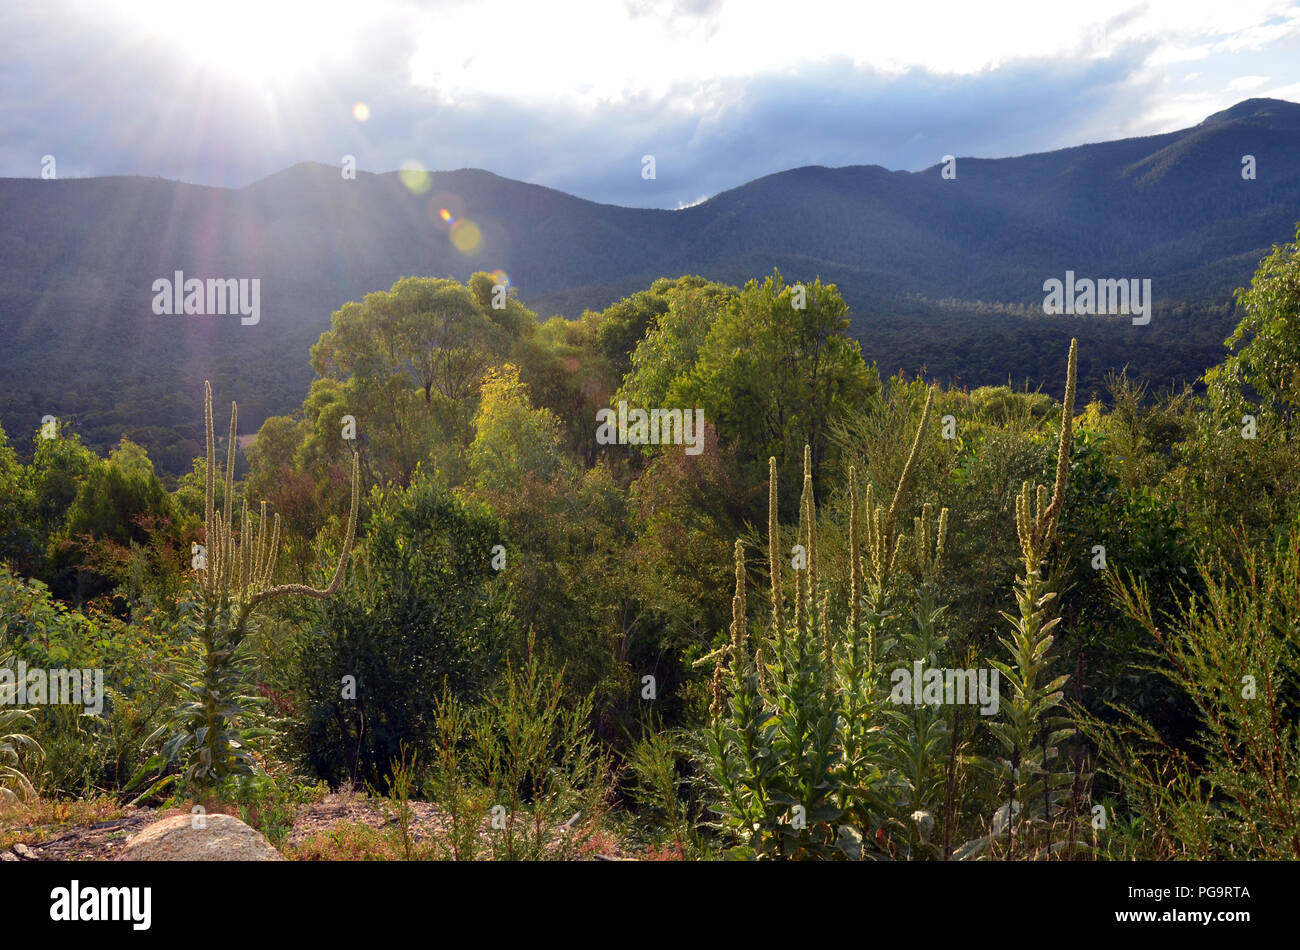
(87, 754)
(423, 611)
(547, 781)
(1235, 651)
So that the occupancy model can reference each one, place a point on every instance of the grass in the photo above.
(38, 820)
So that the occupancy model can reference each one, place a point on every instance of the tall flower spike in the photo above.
(272, 552)
(715, 705)
(812, 519)
(1024, 527)
(739, 622)
(209, 489)
(230, 462)
(1036, 515)
(905, 478)
(259, 558)
(245, 548)
(882, 542)
(803, 581)
(928, 548)
(921, 538)
(241, 568)
(339, 570)
(774, 555)
(828, 646)
(737, 634)
(855, 569)
(1063, 449)
(872, 520)
(941, 541)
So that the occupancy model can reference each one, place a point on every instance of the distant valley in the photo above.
(944, 275)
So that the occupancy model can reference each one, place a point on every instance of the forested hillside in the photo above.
(913, 255)
(851, 615)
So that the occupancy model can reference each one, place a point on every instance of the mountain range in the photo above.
(943, 273)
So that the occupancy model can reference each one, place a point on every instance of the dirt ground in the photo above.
(100, 841)
(65, 838)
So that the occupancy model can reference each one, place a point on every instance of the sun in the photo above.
(263, 42)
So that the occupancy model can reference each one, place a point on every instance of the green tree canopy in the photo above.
(513, 442)
(775, 375)
(1267, 362)
(423, 612)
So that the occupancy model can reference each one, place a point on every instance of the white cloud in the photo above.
(1242, 83)
(603, 51)
(721, 91)
(1290, 92)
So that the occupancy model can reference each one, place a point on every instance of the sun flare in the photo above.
(252, 40)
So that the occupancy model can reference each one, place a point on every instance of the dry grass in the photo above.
(31, 822)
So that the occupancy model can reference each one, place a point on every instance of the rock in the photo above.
(25, 853)
(176, 839)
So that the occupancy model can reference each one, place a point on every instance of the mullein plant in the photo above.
(771, 748)
(917, 751)
(807, 756)
(1035, 815)
(790, 750)
(209, 731)
(14, 782)
(893, 758)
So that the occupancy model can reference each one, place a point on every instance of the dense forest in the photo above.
(865, 616)
(944, 276)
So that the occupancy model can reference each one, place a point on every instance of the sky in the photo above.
(575, 95)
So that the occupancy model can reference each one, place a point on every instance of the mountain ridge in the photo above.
(78, 258)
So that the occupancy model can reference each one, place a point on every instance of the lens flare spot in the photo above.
(361, 112)
(444, 209)
(466, 236)
(501, 277)
(415, 178)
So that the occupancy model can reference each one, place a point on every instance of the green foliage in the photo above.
(17, 536)
(59, 467)
(1267, 362)
(1234, 653)
(654, 761)
(514, 444)
(12, 776)
(476, 429)
(807, 760)
(671, 337)
(407, 364)
(529, 747)
(86, 755)
(452, 784)
(423, 611)
(267, 803)
(773, 375)
(115, 495)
